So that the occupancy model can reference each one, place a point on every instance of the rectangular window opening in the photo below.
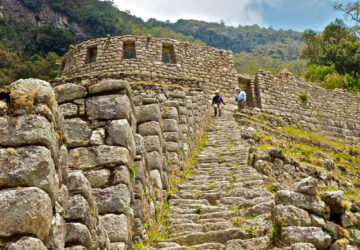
(91, 55)
(168, 54)
(129, 51)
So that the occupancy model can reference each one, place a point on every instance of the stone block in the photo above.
(122, 175)
(90, 157)
(152, 143)
(78, 233)
(68, 110)
(98, 178)
(155, 160)
(170, 125)
(291, 216)
(116, 227)
(27, 130)
(115, 199)
(313, 235)
(170, 113)
(25, 211)
(97, 137)
(117, 107)
(139, 143)
(148, 113)
(77, 208)
(78, 132)
(109, 86)
(28, 243)
(120, 133)
(149, 128)
(156, 179)
(28, 166)
(69, 91)
(172, 146)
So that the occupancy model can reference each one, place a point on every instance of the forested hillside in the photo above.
(31, 29)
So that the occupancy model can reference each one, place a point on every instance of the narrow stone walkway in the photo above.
(225, 204)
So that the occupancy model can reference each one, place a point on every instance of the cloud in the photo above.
(233, 12)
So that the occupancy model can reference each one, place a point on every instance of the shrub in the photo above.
(304, 97)
(335, 80)
(317, 73)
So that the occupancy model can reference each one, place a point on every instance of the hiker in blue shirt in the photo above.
(240, 98)
(217, 100)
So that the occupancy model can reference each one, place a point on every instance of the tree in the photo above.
(351, 9)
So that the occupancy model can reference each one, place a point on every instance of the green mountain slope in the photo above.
(31, 29)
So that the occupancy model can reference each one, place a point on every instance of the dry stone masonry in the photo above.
(88, 161)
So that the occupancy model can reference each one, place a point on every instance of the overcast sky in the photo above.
(287, 14)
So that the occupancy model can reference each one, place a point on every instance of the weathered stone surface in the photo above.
(313, 235)
(25, 211)
(28, 243)
(291, 216)
(171, 136)
(306, 186)
(117, 107)
(28, 166)
(78, 132)
(170, 113)
(172, 146)
(120, 133)
(257, 243)
(354, 236)
(116, 227)
(334, 200)
(170, 125)
(98, 178)
(56, 239)
(87, 158)
(140, 146)
(77, 233)
(69, 91)
(122, 175)
(150, 128)
(340, 244)
(78, 208)
(148, 113)
(248, 133)
(118, 246)
(304, 201)
(155, 160)
(68, 109)
(115, 199)
(152, 143)
(317, 221)
(27, 130)
(109, 86)
(261, 208)
(303, 246)
(97, 137)
(156, 179)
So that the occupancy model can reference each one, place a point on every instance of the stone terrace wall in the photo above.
(194, 66)
(125, 142)
(334, 113)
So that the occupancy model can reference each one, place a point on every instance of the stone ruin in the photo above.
(86, 161)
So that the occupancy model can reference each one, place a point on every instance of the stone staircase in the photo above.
(225, 204)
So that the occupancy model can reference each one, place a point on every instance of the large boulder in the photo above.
(248, 133)
(289, 215)
(306, 186)
(78, 233)
(313, 235)
(25, 211)
(335, 200)
(302, 246)
(307, 202)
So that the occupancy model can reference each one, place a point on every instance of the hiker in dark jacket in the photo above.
(216, 102)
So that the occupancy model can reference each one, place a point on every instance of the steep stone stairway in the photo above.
(225, 204)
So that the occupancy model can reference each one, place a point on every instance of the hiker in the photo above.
(240, 98)
(216, 102)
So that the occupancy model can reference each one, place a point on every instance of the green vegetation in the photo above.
(333, 56)
(274, 232)
(304, 97)
(238, 223)
(198, 209)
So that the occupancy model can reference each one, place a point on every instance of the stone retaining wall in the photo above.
(335, 113)
(93, 179)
